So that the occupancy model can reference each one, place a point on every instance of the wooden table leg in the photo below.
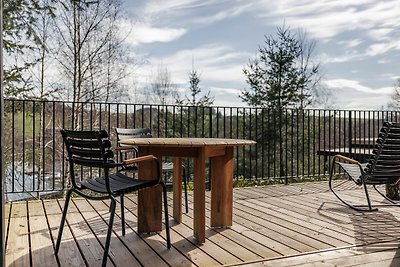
(177, 187)
(149, 200)
(222, 189)
(199, 223)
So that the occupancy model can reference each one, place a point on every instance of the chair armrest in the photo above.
(349, 160)
(139, 159)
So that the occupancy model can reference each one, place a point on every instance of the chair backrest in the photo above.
(90, 149)
(383, 166)
(124, 133)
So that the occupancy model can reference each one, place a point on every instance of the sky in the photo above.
(357, 44)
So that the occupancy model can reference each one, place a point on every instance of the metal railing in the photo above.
(291, 144)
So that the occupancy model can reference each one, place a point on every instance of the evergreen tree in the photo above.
(195, 90)
(283, 76)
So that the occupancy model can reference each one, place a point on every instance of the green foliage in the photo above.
(280, 78)
(19, 39)
(194, 89)
(281, 75)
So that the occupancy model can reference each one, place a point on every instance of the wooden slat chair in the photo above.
(382, 168)
(132, 151)
(89, 155)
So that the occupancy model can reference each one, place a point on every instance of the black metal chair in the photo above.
(382, 168)
(89, 155)
(132, 151)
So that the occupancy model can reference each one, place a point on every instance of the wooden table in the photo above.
(221, 153)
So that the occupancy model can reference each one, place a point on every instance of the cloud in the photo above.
(143, 33)
(228, 13)
(347, 57)
(215, 62)
(356, 85)
(382, 48)
(160, 7)
(326, 19)
(350, 94)
(350, 43)
(219, 67)
(226, 96)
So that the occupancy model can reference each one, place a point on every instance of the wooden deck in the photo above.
(294, 225)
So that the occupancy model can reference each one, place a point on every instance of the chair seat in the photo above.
(353, 171)
(119, 183)
(386, 176)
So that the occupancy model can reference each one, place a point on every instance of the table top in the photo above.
(186, 142)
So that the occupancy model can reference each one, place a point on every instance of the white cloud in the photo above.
(223, 14)
(348, 56)
(159, 7)
(382, 48)
(380, 33)
(350, 94)
(350, 43)
(326, 19)
(216, 63)
(144, 33)
(356, 85)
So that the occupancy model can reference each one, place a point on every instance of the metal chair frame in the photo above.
(92, 149)
(383, 167)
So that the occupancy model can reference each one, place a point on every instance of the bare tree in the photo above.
(395, 103)
(161, 89)
(90, 50)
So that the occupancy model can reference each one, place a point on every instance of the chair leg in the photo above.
(110, 225)
(64, 215)
(185, 189)
(166, 215)
(367, 196)
(357, 208)
(122, 214)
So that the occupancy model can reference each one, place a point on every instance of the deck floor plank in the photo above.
(98, 221)
(41, 241)
(173, 256)
(87, 241)
(217, 255)
(232, 246)
(69, 254)
(18, 248)
(313, 229)
(139, 251)
(279, 225)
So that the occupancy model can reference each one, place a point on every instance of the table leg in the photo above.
(199, 224)
(177, 187)
(149, 200)
(222, 189)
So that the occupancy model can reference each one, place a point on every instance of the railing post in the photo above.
(350, 133)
